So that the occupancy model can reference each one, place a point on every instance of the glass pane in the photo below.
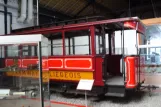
(77, 42)
(151, 60)
(57, 47)
(2, 52)
(100, 40)
(129, 42)
(12, 50)
(19, 78)
(46, 75)
(81, 43)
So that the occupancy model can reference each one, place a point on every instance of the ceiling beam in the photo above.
(98, 6)
(54, 13)
(141, 8)
(106, 9)
(88, 4)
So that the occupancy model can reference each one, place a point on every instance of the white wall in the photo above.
(15, 14)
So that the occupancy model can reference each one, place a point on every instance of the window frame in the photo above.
(89, 39)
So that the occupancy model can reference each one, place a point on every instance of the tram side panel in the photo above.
(62, 68)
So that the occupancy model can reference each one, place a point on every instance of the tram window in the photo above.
(33, 50)
(1, 51)
(25, 50)
(100, 40)
(49, 48)
(12, 51)
(56, 43)
(77, 42)
(99, 48)
(57, 46)
(81, 45)
(67, 46)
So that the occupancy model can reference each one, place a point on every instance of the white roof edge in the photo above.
(23, 39)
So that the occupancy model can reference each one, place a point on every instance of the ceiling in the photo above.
(71, 9)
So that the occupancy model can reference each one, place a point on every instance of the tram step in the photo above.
(115, 94)
(115, 81)
(117, 91)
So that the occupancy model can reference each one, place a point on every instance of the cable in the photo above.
(129, 9)
(153, 8)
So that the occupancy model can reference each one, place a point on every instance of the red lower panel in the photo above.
(98, 72)
(130, 72)
(83, 63)
(57, 63)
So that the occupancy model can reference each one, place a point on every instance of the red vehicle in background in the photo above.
(86, 50)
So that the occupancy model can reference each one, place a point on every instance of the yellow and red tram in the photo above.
(85, 50)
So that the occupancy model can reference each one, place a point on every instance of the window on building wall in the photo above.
(77, 42)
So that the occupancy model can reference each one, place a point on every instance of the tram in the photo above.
(88, 50)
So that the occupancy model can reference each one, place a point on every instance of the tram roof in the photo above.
(117, 22)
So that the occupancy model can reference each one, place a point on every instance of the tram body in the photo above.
(113, 74)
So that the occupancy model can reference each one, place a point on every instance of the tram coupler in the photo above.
(150, 88)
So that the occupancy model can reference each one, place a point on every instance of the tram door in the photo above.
(101, 48)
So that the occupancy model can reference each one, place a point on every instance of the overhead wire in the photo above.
(129, 8)
(153, 8)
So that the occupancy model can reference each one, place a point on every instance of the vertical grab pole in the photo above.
(40, 74)
(89, 41)
(86, 98)
(93, 45)
(122, 39)
(104, 39)
(110, 44)
(63, 40)
(138, 53)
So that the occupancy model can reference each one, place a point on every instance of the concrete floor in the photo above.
(153, 79)
(28, 103)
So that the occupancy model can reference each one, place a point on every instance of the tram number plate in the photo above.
(71, 75)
